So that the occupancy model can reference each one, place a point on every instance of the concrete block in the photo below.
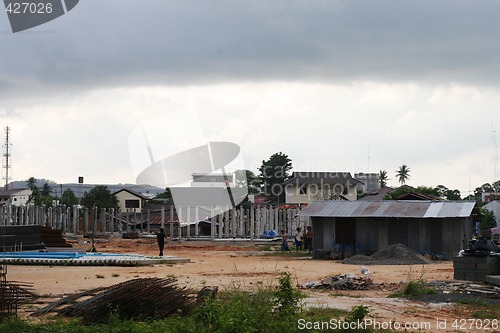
(493, 279)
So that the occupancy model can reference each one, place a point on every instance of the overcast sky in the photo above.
(357, 86)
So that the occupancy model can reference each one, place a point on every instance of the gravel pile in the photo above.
(396, 254)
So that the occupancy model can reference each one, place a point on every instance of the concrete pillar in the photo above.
(94, 221)
(383, 234)
(180, 217)
(232, 214)
(241, 222)
(85, 221)
(120, 222)
(197, 221)
(423, 236)
(188, 218)
(212, 225)
(75, 220)
(162, 222)
(252, 223)
(21, 215)
(104, 219)
(172, 221)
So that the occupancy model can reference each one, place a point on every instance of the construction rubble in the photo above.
(446, 291)
(343, 282)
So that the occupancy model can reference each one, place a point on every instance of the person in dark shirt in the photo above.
(308, 238)
(160, 239)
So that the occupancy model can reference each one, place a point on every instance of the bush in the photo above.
(287, 299)
(415, 288)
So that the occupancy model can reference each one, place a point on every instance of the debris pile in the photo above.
(153, 298)
(344, 282)
(486, 290)
(396, 254)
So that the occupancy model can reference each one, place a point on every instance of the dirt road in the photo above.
(244, 267)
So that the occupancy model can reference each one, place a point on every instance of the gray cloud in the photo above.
(123, 42)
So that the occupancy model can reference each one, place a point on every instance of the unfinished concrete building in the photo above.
(438, 227)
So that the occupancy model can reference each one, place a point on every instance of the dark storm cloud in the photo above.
(124, 42)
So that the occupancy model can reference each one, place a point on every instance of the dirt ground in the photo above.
(229, 266)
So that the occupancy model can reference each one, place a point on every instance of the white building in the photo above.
(213, 180)
(130, 201)
(15, 197)
(370, 182)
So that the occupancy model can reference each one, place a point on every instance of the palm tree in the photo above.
(383, 177)
(31, 183)
(46, 190)
(403, 173)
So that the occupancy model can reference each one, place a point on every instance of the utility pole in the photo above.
(495, 160)
(6, 156)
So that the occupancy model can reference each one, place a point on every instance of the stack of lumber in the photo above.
(30, 237)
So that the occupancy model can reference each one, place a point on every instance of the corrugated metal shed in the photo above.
(399, 209)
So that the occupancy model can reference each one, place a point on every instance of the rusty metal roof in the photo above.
(401, 209)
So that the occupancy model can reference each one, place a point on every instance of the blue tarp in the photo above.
(270, 234)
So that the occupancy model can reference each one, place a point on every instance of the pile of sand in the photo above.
(396, 254)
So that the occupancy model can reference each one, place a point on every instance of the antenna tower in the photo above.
(6, 156)
(495, 157)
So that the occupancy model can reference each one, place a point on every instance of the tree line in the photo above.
(99, 196)
(272, 173)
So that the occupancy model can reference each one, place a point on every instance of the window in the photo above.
(132, 203)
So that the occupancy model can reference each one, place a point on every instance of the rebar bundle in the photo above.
(152, 298)
(12, 294)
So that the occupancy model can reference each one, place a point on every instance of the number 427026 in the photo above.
(29, 8)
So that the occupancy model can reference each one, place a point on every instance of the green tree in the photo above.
(496, 186)
(165, 197)
(383, 177)
(31, 183)
(442, 190)
(448, 194)
(46, 190)
(485, 188)
(35, 196)
(403, 174)
(273, 173)
(99, 197)
(487, 220)
(427, 190)
(393, 195)
(69, 198)
(453, 195)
